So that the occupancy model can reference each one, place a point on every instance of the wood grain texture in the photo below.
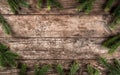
(58, 26)
(58, 36)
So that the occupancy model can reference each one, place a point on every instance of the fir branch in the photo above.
(16, 4)
(89, 6)
(116, 20)
(103, 61)
(109, 5)
(74, 68)
(82, 6)
(7, 57)
(44, 69)
(51, 3)
(5, 25)
(41, 71)
(23, 70)
(92, 71)
(114, 47)
(111, 41)
(85, 5)
(60, 70)
(113, 68)
(39, 3)
(36, 71)
(112, 44)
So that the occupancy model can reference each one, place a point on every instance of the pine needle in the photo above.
(52, 3)
(23, 70)
(85, 5)
(36, 71)
(74, 68)
(44, 69)
(60, 70)
(7, 57)
(116, 20)
(113, 68)
(114, 47)
(5, 25)
(112, 44)
(109, 5)
(92, 71)
(41, 71)
(16, 4)
(111, 41)
(39, 3)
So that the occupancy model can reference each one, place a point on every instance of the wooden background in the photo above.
(57, 36)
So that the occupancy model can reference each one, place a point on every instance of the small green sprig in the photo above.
(41, 71)
(23, 70)
(5, 25)
(16, 4)
(113, 68)
(7, 57)
(39, 3)
(60, 69)
(85, 5)
(112, 44)
(116, 18)
(50, 4)
(109, 5)
(74, 68)
(92, 71)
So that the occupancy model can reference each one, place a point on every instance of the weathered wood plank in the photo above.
(59, 48)
(58, 26)
(70, 8)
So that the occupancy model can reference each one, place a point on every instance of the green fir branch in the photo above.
(109, 5)
(113, 68)
(16, 4)
(23, 70)
(85, 5)
(60, 69)
(39, 3)
(92, 71)
(41, 71)
(7, 57)
(50, 4)
(112, 44)
(74, 68)
(116, 18)
(5, 25)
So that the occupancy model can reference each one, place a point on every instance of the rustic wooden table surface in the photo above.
(57, 36)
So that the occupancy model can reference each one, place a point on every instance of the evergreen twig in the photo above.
(23, 70)
(112, 44)
(50, 4)
(39, 3)
(109, 5)
(116, 16)
(5, 25)
(60, 70)
(41, 71)
(7, 57)
(92, 71)
(113, 68)
(74, 68)
(85, 5)
(16, 4)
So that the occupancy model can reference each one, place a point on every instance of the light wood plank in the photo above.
(58, 26)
